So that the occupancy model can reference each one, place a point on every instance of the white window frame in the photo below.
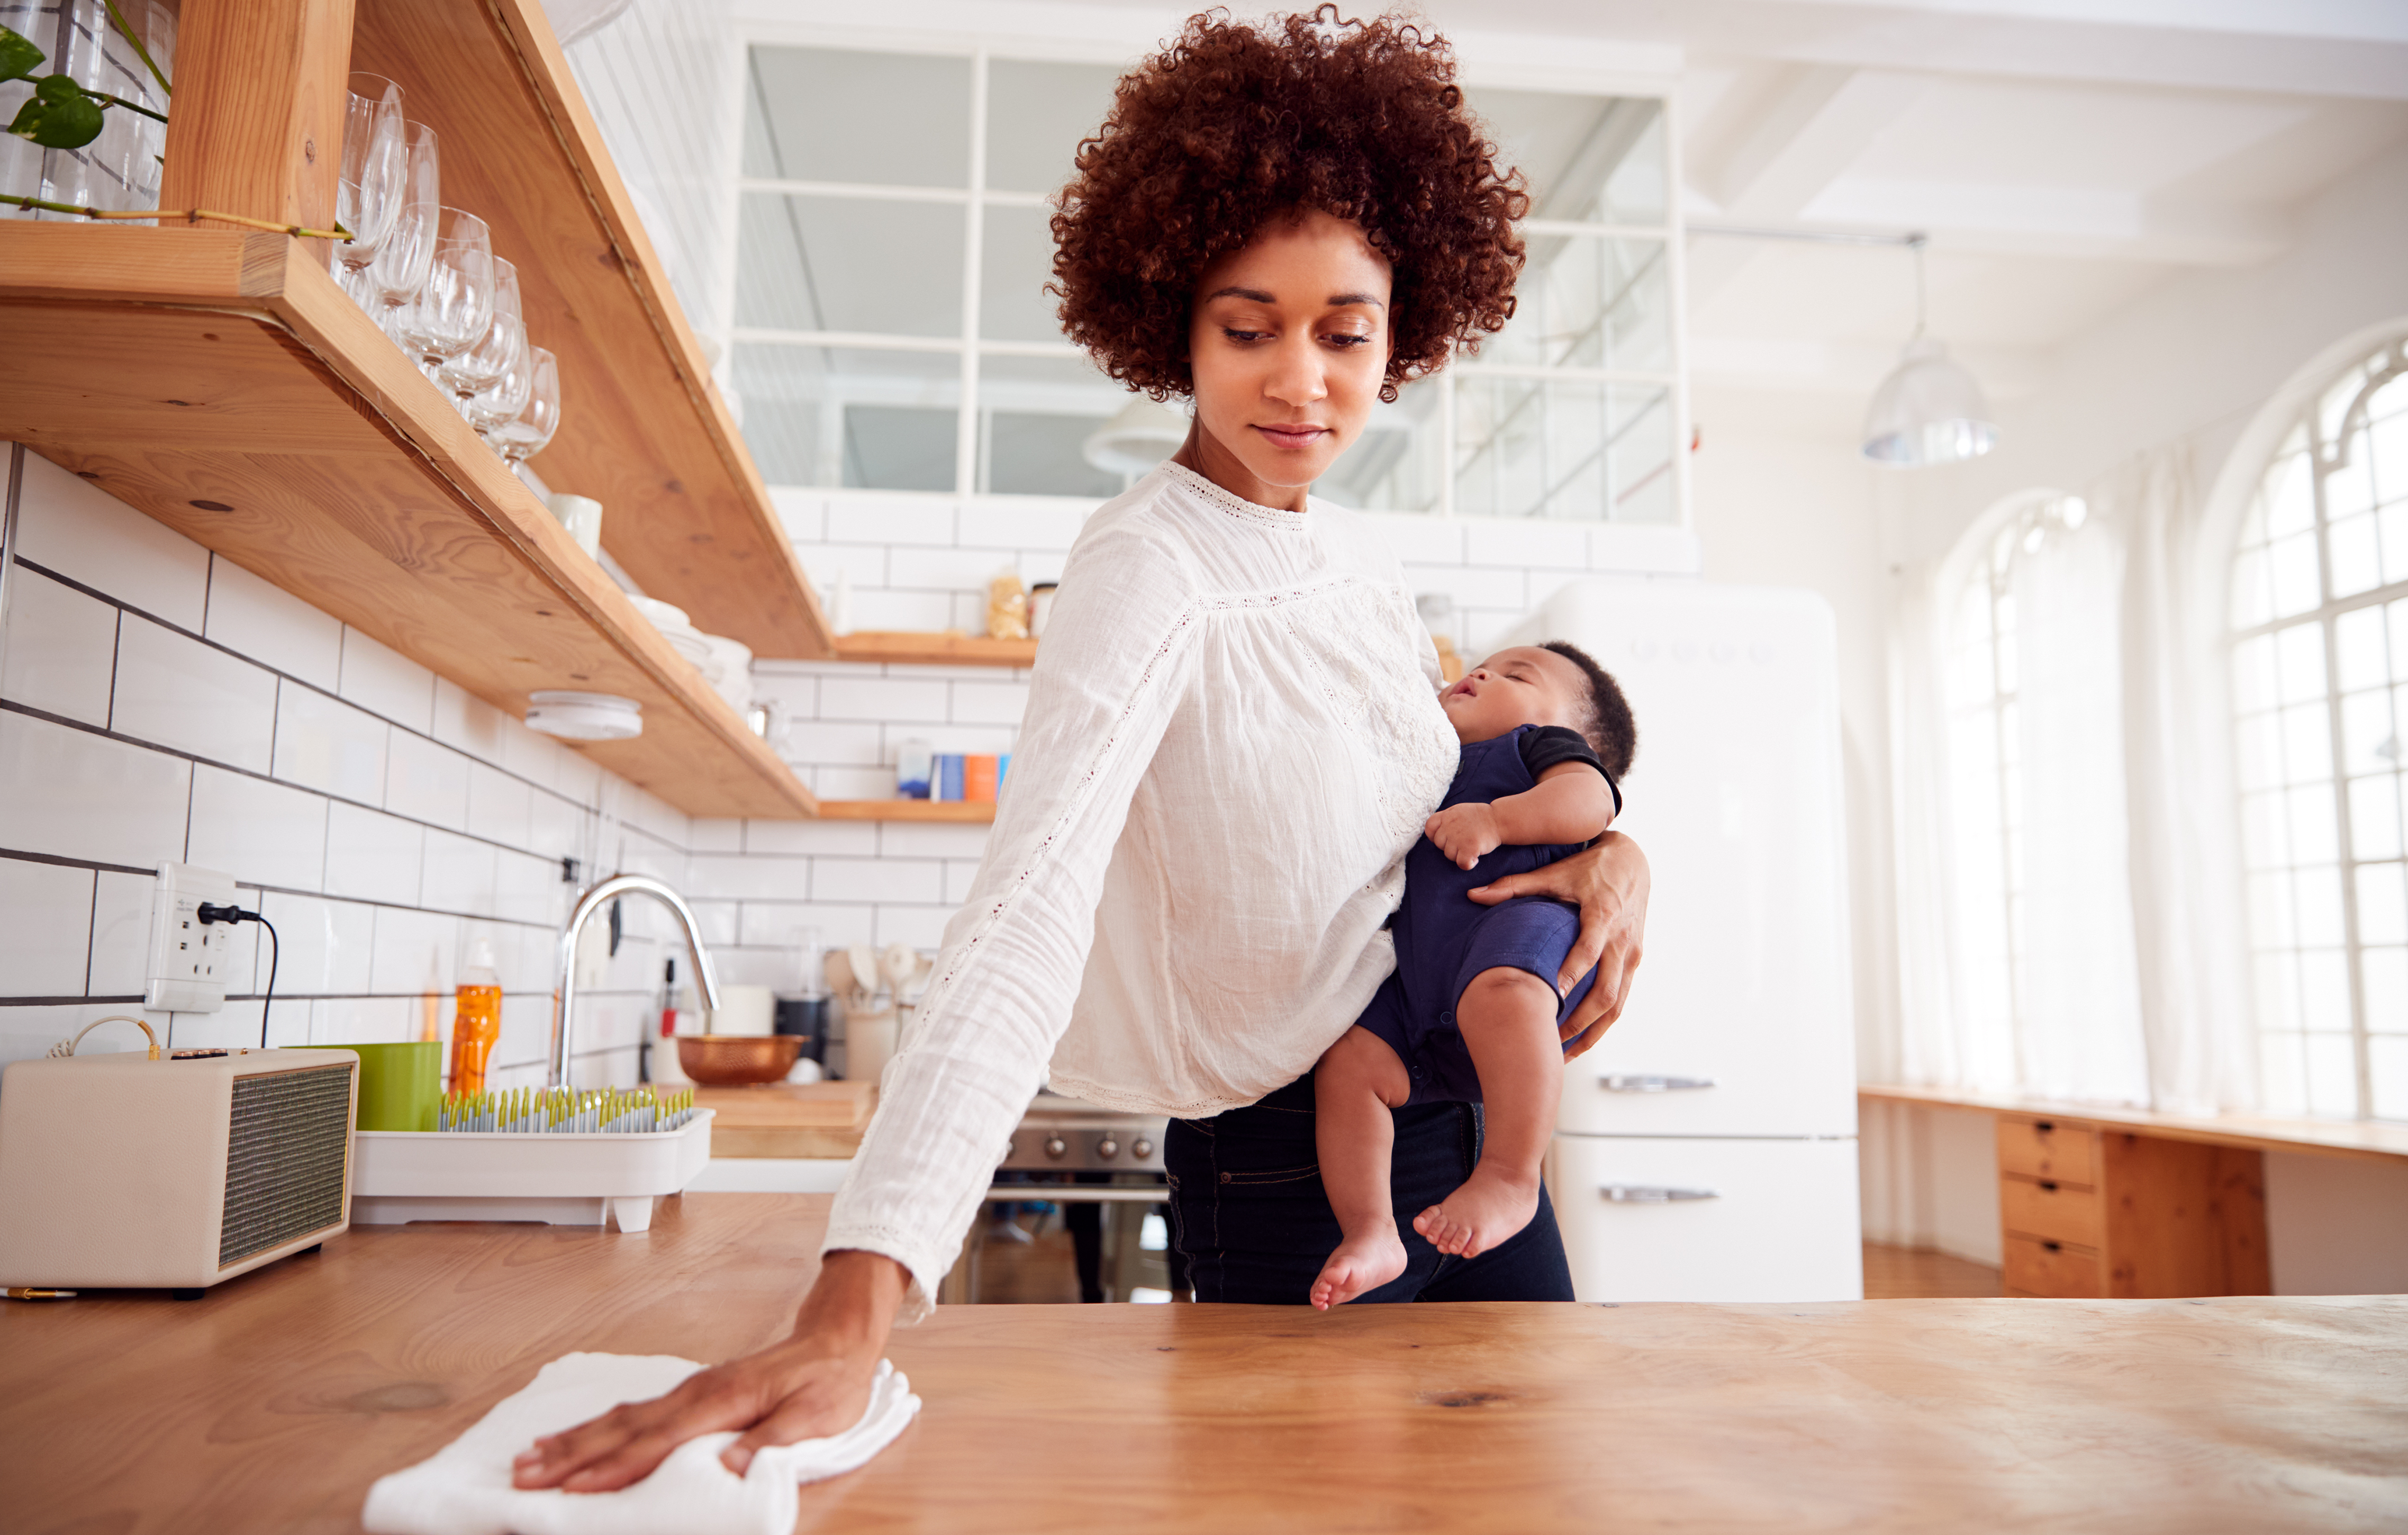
(2325, 458)
(977, 197)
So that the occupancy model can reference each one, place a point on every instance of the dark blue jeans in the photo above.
(1249, 1213)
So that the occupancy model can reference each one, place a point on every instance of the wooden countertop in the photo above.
(272, 1402)
(819, 1119)
(2347, 1138)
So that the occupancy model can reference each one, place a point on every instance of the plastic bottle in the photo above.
(476, 1019)
(661, 1064)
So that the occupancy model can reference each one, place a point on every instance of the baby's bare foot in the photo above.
(1359, 1264)
(1486, 1211)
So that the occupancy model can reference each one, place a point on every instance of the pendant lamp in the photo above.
(1928, 410)
(1140, 436)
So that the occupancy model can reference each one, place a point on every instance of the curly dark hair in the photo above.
(1231, 127)
(1612, 734)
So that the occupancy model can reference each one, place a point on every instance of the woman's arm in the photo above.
(1106, 685)
(1610, 884)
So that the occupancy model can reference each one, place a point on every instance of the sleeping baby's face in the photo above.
(1521, 685)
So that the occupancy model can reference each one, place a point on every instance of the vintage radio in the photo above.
(122, 1172)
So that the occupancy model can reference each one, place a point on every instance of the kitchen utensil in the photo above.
(902, 965)
(582, 515)
(524, 435)
(481, 365)
(116, 1170)
(453, 309)
(721, 1060)
(368, 197)
(400, 1084)
(398, 268)
(746, 1011)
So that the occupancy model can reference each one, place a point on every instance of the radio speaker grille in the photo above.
(284, 1159)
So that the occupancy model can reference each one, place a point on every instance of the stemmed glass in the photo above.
(480, 364)
(454, 307)
(524, 435)
(367, 197)
(399, 268)
(499, 401)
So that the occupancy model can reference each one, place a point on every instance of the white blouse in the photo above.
(1232, 739)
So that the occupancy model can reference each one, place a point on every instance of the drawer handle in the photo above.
(1648, 1194)
(2043, 1125)
(2049, 1184)
(2054, 1246)
(1625, 1082)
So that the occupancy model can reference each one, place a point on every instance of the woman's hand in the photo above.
(1610, 884)
(813, 1384)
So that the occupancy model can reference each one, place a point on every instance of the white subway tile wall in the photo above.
(159, 704)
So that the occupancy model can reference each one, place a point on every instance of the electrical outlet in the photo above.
(188, 961)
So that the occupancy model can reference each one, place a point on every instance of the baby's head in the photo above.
(1553, 683)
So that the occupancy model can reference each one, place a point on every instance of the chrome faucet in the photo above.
(564, 1000)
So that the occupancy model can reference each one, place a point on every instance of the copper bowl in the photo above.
(738, 1060)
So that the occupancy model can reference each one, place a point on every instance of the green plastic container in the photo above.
(400, 1084)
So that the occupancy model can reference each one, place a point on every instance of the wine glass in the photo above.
(524, 435)
(455, 306)
(477, 367)
(375, 156)
(399, 266)
(500, 400)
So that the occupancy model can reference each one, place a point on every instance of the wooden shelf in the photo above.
(219, 381)
(957, 811)
(946, 649)
(643, 429)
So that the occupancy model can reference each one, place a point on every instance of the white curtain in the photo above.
(2079, 1031)
(2190, 939)
(2129, 985)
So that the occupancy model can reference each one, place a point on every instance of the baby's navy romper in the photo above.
(1445, 937)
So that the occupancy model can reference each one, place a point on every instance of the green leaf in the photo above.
(17, 56)
(57, 116)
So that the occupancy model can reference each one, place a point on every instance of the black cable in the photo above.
(208, 913)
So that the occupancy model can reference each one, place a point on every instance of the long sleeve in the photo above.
(1118, 645)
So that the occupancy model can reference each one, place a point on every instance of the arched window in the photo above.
(1985, 587)
(2320, 626)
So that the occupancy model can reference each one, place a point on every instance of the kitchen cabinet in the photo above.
(272, 1402)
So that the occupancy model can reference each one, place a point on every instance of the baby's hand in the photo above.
(1464, 832)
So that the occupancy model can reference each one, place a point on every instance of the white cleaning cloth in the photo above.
(465, 1489)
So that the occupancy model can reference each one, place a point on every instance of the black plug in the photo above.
(210, 913)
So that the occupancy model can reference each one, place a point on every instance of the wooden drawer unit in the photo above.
(2053, 1211)
(2038, 1147)
(2088, 1209)
(2036, 1266)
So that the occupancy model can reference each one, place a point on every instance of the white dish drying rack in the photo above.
(565, 1178)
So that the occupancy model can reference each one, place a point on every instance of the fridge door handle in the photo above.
(1623, 1082)
(1649, 1194)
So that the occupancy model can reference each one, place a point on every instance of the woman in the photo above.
(1232, 737)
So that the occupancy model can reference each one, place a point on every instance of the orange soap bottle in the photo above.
(476, 1020)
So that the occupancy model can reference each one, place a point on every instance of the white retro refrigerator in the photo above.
(1706, 1148)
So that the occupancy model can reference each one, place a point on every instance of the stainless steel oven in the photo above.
(1102, 1170)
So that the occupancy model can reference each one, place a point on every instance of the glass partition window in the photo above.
(892, 329)
(2320, 695)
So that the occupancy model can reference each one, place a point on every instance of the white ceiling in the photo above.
(2064, 156)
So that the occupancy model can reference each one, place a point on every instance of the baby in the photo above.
(1471, 1013)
